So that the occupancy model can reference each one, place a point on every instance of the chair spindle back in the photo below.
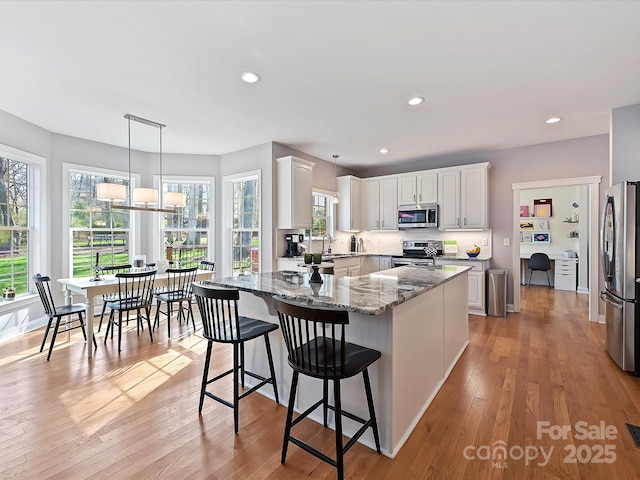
(219, 311)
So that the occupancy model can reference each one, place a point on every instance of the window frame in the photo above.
(158, 246)
(227, 215)
(38, 259)
(331, 218)
(67, 250)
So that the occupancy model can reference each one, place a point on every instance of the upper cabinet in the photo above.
(463, 197)
(349, 205)
(295, 192)
(416, 188)
(380, 209)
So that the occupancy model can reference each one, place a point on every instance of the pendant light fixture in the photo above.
(143, 199)
(335, 173)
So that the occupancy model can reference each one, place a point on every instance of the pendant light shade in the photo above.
(145, 196)
(175, 199)
(111, 192)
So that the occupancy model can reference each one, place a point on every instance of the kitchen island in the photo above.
(415, 316)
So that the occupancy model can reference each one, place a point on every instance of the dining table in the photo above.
(91, 288)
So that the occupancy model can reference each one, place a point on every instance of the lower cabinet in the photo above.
(477, 302)
(346, 267)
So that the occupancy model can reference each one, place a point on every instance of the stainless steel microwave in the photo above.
(418, 216)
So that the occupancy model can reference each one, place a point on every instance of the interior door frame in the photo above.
(594, 223)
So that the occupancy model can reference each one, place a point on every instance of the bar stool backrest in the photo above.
(315, 338)
(219, 312)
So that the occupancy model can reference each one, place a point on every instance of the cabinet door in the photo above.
(354, 271)
(407, 190)
(369, 264)
(385, 263)
(476, 290)
(388, 206)
(349, 190)
(449, 199)
(340, 271)
(427, 188)
(302, 195)
(473, 197)
(371, 205)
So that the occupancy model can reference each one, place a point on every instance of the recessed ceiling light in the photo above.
(415, 101)
(384, 150)
(553, 120)
(250, 77)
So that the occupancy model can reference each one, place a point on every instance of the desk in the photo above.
(90, 290)
(562, 268)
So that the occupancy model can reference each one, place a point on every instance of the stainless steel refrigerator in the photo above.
(620, 257)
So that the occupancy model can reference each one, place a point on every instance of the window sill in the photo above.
(21, 301)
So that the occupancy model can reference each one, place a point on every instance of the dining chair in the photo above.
(207, 265)
(178, 290)
(317, 347)
(50, 309)
(110, 297)
(221, 323)
(135, 292)
(539, 261)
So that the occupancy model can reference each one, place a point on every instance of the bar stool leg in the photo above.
(271, 369)
(242, 364)
(338, 422)
(287, 425)
(372, 412)
(236, 403)
(325, 400)
(205, 376)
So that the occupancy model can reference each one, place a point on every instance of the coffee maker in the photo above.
(292, 240)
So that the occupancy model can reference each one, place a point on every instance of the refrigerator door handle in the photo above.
(604, 296)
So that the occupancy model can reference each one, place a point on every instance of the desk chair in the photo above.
(178, 290)
(316, 344)
(110, 297)
(539, 261)
(222, 324)
(50, 309)
(135, 292)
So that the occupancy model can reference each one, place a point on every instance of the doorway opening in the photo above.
(593, 184)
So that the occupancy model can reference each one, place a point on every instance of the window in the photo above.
(15, 224)
(186, 234)
(95, 229)
(245, 230)
(322, 215)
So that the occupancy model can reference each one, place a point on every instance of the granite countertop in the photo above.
(369, 294)
(464, 256)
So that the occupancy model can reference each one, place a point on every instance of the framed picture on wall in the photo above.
(542, 225)
(526, 237)
(541, 237)
(524, 210)
(526, 225)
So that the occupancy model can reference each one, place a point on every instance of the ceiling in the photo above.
(336, 76)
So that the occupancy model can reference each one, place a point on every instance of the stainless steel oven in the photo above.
(418, 216)
(418, 253)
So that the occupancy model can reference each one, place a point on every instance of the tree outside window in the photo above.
(95, 227)
(186, 233)
(245, 242)
(14, 225)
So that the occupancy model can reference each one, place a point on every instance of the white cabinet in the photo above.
(385, 263)
(349, 205)
(476, 277)
(295, 192)
(565, 274)
(421, 187)
(463, 197)
(379, 207)
(346, 267)
(369, 264)
(290, 264)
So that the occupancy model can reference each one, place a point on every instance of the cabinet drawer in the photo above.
(475, 266)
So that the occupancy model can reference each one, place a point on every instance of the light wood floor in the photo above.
(134, 415)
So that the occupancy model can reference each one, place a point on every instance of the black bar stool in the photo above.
(222, 324)
(315, 340)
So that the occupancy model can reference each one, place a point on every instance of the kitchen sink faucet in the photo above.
(328, 236)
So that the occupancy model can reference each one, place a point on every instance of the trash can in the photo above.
(497, 292)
